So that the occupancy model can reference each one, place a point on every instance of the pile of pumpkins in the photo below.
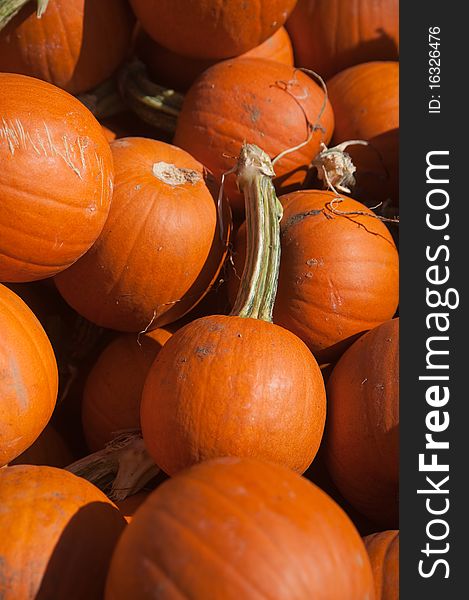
(198, 256)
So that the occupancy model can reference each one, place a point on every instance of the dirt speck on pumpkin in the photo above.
(202, 351)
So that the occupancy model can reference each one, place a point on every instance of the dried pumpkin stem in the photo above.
(121, 469)
(258, 286)
(10, 8)
(156, 105)
(104, 100)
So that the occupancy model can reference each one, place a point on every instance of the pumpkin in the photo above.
(111, 399)
(383, 550)
(239, 528)
(161, 247)
(28, 377)
(331, 35)
(61, 533)
(75, 45)
(129, 505)
(339, 273)
(55, 180)
(365, 99)
(211, 29)
(259, 101)
(362, 442)
(179, 72)
(237, 385)
(49, 450)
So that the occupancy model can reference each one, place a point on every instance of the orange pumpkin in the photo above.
(383, 550)
(331, 35)
(111, 399)
(213, 28)
(28, 377)
(258, 101)
(365, 99)
(339, 273)
(179, 72)
(61, 534)
(48, 450)
(231, 529)
(237, 385)
(75, 45)
(161, 247)
(362, 442)
(55, 180)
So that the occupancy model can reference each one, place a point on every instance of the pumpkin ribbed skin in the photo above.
(111, 399)
(338, 275)
(28, 377)
(61, 533)
(175, 71)
(365, 99)
(75, 45)
(362, 442)
(55, 180)
(331, 35)
(230, 386)
(160, 248)
(211, 28)
(383, 550)
(246, 100)
(48, 450)
(229, 529)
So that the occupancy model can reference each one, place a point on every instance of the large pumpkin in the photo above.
(331, 35)
(256, 101)
(55, 179)
(179, 72)
(75, 45)
(362, 442)
(28, 377)
(213, 28)
(238, 385)
(383, 550)
(339, 272)
(111, 399)
(161, 247)
(230, 529)
(58, 535)
(365, 99)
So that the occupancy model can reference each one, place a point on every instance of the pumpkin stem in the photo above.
(335, 167)
(258, 286)
(156, 105)
(121, 469)
(10, 8)
(104, 100)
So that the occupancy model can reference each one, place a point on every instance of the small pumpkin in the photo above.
(237, 528)
(211, 29)
(61, 534)
(48, 450)
(365, 99)
(383, 550)
(55, 180)
(339, 271)
(259, 101)
(238, 385)
(28, 377)
(161, 247)
(179, 72)
(76, 44)
(362, 441)
(331, 35)
(111, 399)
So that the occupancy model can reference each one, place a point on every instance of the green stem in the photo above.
(258, 286)
(10, 8)
(156, 105)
